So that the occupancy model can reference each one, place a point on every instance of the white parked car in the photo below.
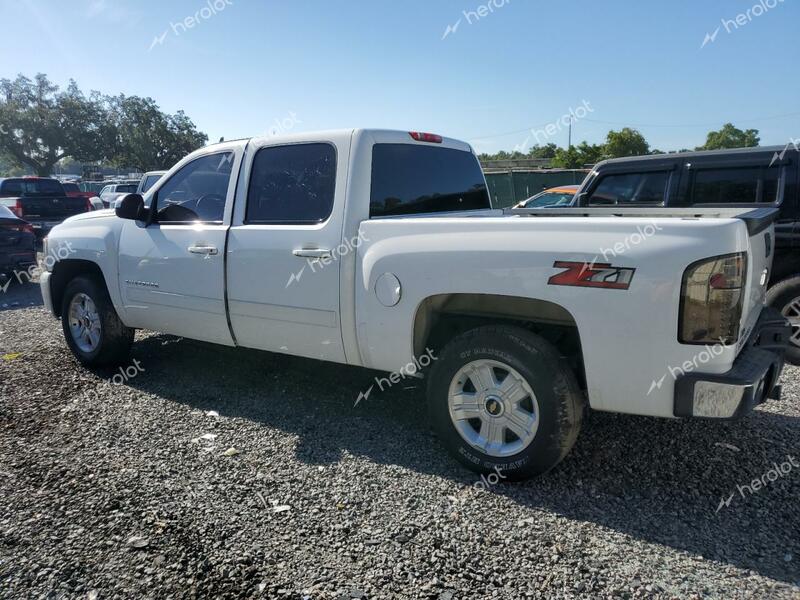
(114, 191)
(380, 249)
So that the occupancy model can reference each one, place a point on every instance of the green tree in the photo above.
(546, 151)
(11, 168)
(591, 153)
(627, 142)
(731, 137)
(578, 156)
(567, 158)
(40, 125)
(148, 139)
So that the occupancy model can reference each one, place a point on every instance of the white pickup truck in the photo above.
(380, 249)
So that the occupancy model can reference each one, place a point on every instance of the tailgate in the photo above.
(761, 231)
(55, 209)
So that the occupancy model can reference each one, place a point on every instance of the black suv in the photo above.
(744, 177)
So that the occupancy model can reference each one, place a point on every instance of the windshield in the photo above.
(546, 199)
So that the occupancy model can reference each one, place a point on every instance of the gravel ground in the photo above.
(216, 472)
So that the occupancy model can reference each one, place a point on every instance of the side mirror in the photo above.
(131, 207)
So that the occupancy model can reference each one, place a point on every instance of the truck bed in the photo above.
(756, 219)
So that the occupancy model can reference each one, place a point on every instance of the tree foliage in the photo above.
(546, 151)
(149, 139)
(541, 152)
(731, 137)
(626, 142)
(577, 157)
(41, 124)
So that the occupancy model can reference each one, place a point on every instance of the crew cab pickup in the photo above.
(40, 201)
(380, 249)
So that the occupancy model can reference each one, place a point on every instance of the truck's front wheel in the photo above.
(91, 326)
(503, 400)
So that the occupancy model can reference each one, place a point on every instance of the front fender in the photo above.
(75, 245)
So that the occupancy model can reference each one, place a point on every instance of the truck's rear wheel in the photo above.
(91, 326)
(784, 296)
(503, 400)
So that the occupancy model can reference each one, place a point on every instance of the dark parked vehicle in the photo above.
(17, 245)
(74, 191)
(92, 187)
(757, 177)
(40, 201)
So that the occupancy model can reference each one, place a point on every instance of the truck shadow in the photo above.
(655, 480)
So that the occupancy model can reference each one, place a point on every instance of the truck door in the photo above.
(172, 270)
(284, 247)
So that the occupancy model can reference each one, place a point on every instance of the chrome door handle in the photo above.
(312, 252)
(207, 250)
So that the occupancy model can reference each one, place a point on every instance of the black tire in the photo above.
(560, 399)
(780, 296)
(115, 338)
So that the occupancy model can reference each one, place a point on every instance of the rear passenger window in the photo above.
(735, 186)
(292, 184)
(409, 179)
(631, 188)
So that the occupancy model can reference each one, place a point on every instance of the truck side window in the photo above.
(197, 192)
(631, 188)
(292, 184)
(735, 185)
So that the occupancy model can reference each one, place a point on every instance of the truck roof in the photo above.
(695, 154)
(380, 134)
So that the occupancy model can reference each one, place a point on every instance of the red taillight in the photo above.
(426, 137)
(24, 228)
(730, 276)
(712, 295)
(17, 208)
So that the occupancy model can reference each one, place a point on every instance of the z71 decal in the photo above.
(596, 275)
